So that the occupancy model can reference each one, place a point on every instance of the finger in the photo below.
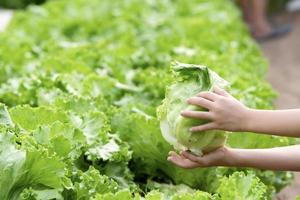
(197, 114)
(209, 96)
(189, 156)
(181, 156)
(220, 91)
(204, 127)
(199, 101)
(182, 162)
(199, 159)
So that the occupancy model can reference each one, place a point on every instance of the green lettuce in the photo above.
(241, 186)
(28, 167)
(189, 81)
(84, 86)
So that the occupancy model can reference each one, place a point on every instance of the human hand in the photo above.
(219, 157)
(224, 111)
(278, 158)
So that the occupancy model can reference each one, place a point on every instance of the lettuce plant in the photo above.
(189, 81)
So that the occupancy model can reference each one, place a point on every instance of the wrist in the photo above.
(230, 157)
(248, 120)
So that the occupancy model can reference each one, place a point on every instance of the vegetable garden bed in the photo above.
(80, 84)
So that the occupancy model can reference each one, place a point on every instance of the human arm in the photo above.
(280, 158)
(227, 113)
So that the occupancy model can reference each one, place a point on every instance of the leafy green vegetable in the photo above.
(81, 93)
(91, 183)
(242, 187)
(19, 3)
(190, 80)
(28, 167)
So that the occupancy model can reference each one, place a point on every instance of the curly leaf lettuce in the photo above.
(27, 168)
(241, 186)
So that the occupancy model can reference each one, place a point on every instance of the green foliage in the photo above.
(19, 3)
(27, 167)
(242, 187)
(81, 81)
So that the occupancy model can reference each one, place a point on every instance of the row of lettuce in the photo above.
(80, 84)
(16, 4)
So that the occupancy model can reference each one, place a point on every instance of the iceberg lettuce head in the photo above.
(189, 80)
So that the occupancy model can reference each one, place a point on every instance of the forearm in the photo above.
(277, 122)
(281, 158)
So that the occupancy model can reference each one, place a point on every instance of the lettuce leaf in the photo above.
(27, 168)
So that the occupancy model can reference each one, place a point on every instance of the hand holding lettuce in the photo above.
(208, 109)
(190, 80)
(225, 112)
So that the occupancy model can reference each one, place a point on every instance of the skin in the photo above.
(227, 113)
